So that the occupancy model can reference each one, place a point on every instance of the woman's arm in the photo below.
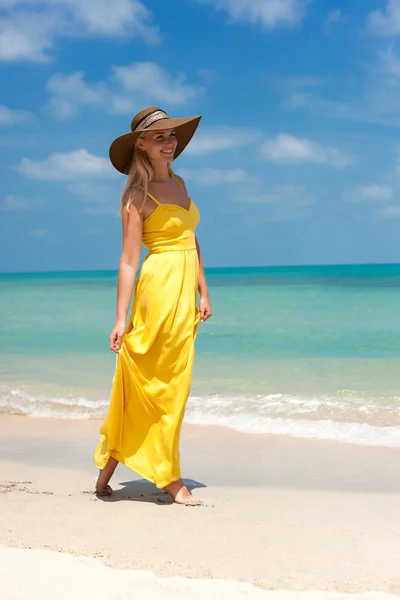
(132, 230)
(205, 307)
(203, 289)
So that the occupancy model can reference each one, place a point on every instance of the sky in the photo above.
(296, 160)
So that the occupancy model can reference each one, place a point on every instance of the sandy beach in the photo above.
(284, 519)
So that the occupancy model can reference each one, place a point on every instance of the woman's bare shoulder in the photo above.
(181, 181)
(135, 201)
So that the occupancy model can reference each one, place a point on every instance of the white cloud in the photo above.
(70, 92)
(391, 211)
(128, 88)
(211, 176)
(113, 17)
(390, 65)
(75, 165)
(97, 198)
(373, 192)
(378, 100)
(220, 139)
(285, 201)
(385, 22)
(29, 28)
(266, 13)
(289, 149)
(152, 80)
(13, 203)
(380, 104)
(295, 195)
(27, 35)
(89, 189)
(10, 117)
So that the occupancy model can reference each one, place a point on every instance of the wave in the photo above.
(347, 417)
(18, 402)
(351, 433)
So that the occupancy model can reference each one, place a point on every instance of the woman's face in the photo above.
(159, 145)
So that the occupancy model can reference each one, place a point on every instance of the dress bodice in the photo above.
(171, 227)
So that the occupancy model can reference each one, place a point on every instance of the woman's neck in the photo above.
(160, 173)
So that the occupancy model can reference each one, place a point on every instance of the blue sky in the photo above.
(297, 158)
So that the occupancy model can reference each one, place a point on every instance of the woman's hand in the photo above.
(116, 336)
(205, 309)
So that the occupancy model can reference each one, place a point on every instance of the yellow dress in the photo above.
(154, 365)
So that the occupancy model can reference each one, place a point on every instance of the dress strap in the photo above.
(179, 183)
(152, 197)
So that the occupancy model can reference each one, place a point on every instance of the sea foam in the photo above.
(343, 418)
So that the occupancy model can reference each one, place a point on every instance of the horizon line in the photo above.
(292, 266)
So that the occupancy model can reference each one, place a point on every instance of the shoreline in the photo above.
(283, 514)
(302, 463)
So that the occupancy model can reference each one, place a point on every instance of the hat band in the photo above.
(148, 120)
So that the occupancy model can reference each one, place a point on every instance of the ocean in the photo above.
(310, 352)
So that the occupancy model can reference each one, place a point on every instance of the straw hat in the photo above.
(153, 118)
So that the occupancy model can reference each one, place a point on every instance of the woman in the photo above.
(156, 350)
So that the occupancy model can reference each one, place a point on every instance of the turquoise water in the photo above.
(309, 351)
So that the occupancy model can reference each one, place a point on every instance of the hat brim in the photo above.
(122, 148)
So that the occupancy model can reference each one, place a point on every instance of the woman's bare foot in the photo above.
(181, 495)
(102, 487)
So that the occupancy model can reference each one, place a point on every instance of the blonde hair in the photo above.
(140, 176)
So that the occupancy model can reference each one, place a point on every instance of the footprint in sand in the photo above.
(20, 486)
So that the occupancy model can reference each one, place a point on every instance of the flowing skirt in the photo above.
(154, 367)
